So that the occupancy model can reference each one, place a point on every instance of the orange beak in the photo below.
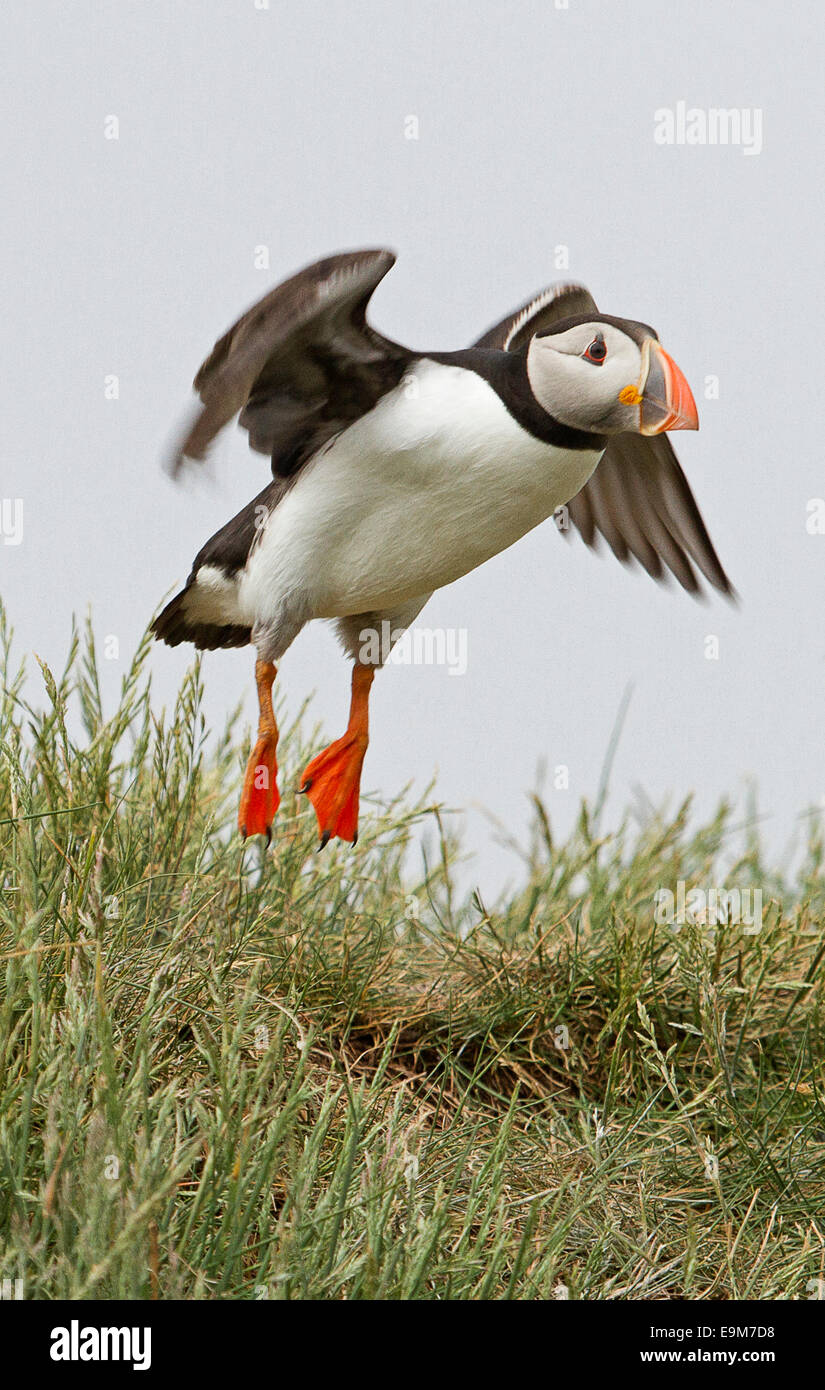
(666, 399)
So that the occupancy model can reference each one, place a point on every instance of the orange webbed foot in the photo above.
(333, 779)
(332, 782)
(260, 798)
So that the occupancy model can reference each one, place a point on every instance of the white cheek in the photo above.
(566, 387)
(616, 378)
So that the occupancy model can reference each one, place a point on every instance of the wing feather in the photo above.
(299, 365)
(542, 311)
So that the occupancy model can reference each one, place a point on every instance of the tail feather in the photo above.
(174, 626)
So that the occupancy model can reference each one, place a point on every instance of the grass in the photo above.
(233, 1074)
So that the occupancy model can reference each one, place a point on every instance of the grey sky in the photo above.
(241, 127)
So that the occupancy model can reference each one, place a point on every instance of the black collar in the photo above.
(506, 372)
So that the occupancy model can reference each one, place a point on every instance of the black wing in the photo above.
(638, 499)
(300, 365)
(540, 312)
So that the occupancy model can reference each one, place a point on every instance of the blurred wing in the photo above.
(300, 365)
(640, 501)
(638, 498)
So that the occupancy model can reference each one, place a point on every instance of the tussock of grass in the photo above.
(227, 1073)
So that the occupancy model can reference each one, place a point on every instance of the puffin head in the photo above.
(609, 376)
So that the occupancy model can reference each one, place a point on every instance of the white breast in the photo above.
(435, 480)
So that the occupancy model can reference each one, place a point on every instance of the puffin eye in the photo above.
(597, 351)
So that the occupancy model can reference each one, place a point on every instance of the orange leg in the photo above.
(333, 779)
(259, 798)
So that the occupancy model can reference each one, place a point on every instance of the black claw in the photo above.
(242, 829)
(324, 840)
(355, 838)
(306, 786)
(268, 836)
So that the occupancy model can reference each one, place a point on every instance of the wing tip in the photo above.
(188, 450)
(688, 580)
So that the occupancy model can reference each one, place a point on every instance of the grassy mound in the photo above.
(231, 1073)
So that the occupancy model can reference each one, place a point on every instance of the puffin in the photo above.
(395, 472)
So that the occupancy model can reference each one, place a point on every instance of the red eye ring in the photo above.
(596, 352)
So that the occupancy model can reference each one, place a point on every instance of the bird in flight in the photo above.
(396, 472)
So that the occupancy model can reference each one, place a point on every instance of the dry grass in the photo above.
(226, 1073)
